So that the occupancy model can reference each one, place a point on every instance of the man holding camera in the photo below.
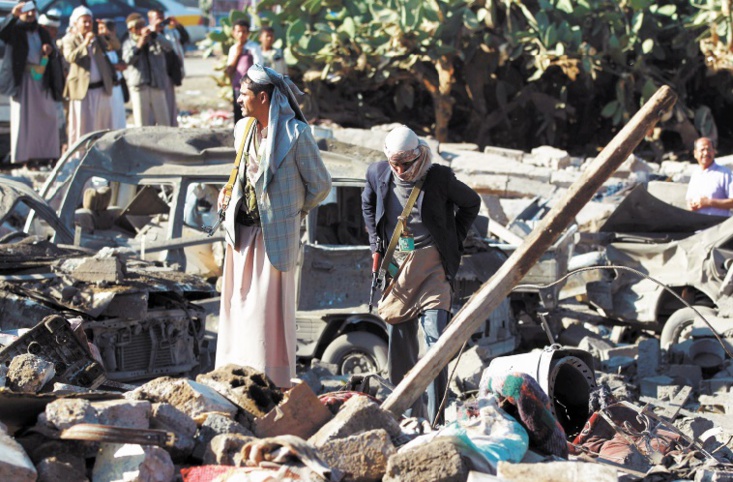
(172, 31)
(144, 52)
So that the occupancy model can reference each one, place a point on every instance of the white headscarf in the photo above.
(79, 12)
(284, 115)
(402, 145)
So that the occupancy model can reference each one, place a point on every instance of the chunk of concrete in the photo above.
(226, 449)
(192, 398)
(15, 465)
(690, 375)
(99, 270)
(358, 414)
(67, 412)
(29, 373)
(63, 468)
(648, 386)
(300, 414)
(548, 156)
(437, 461)
(556, 472)
(246, 387)
(361, 457)
(166, 417)
(133, 462)
(647, 362)
(468, 370)
(713, 385)
(214, 425)
(124, 413)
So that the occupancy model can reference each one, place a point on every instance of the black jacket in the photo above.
(448, 209)
(16, 55)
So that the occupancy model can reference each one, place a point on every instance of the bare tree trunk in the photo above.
(440, 91)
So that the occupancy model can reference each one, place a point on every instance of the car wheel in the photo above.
(357, 352)
(678, 325)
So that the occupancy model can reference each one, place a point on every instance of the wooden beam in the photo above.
(498, 287)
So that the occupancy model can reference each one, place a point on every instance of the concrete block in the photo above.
(358, 414)
(15, 465)
(226, 449)
(214, 425)
(648, 386)
(361, 457)
(477, 163)
(133, 462)
(690, 375)
(67, 412)
(550, 157)
(557, 472)
(647, 362)
(564, 178)
(300, 414)
(192, 398)
(28, 373)
(617, 364)
(628, 350)
(468, 371)
(246, 387)
(66, 467)
(99, 270)
(165, 416)
(124, 413)
(507, 185)
(437, 461)
(714, 385)
(596, 346)
(514, 154)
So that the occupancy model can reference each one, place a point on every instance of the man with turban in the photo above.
(91, 78)
(25, 76)
(280, 177)
(417, 300)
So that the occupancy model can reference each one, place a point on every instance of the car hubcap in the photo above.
(357, 363)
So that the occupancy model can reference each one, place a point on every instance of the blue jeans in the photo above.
(407, 342)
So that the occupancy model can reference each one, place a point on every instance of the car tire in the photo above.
(357, 352)
(673, 329)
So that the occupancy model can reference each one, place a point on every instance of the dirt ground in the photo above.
(199, 91)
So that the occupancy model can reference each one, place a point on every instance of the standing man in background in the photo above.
(279, 177)
(242, 55)
(174, 58)
(711, 186)
(106, 30)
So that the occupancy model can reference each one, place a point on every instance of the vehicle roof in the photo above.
(175, 152)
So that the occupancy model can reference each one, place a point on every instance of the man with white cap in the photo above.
(91, 78)
(428, 212)
(278, 177)
(26, 78)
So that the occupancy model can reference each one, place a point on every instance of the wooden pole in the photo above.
(498, 287)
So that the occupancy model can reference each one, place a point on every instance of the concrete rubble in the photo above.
(622, 405)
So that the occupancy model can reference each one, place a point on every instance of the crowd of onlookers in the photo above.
(65, 85)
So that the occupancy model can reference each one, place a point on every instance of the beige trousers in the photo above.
(149, 103)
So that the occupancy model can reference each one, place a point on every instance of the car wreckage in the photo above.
(151, 191)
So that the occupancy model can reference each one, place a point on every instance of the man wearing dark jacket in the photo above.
(416, 303)
(30, 75)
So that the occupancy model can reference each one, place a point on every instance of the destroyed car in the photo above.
(688, 252)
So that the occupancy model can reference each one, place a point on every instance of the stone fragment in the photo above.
(146, 463)
(648, 386)
(166, 417)
(28, 373)
(124, 413)
(647, 362)
(311, 379)
(226, 449)
(214, 425)
(550, 157)
(67, 412)
(15, 465)
(515, 154)
(437, 461)
(192, 398)
(246, 387)
(63, 468)
(690, 375)
(358, 414)
(66, 388)
(99, 270)
(629, 350)
(557, 472)
(300, 413)
(468, 370)
(361, 457)
(713, 385)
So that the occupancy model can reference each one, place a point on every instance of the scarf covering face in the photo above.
(27, 26)
(284, 114)
(79, 12)
(402, 145)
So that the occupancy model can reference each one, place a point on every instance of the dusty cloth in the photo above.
(33, 122)
(257, 315)
(91, 114)
(420, 285)
(533, 407)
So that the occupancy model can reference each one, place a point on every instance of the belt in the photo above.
(96, 85)
(246, 219)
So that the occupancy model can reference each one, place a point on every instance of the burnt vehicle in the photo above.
(140, 316)
(151, 190)
(690, 253)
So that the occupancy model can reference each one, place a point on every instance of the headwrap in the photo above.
(49, 21)
(284, 113)
(79, 12)
(402, 145)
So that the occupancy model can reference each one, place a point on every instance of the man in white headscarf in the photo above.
(280, 178)
(91, 78)
(417, 299)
